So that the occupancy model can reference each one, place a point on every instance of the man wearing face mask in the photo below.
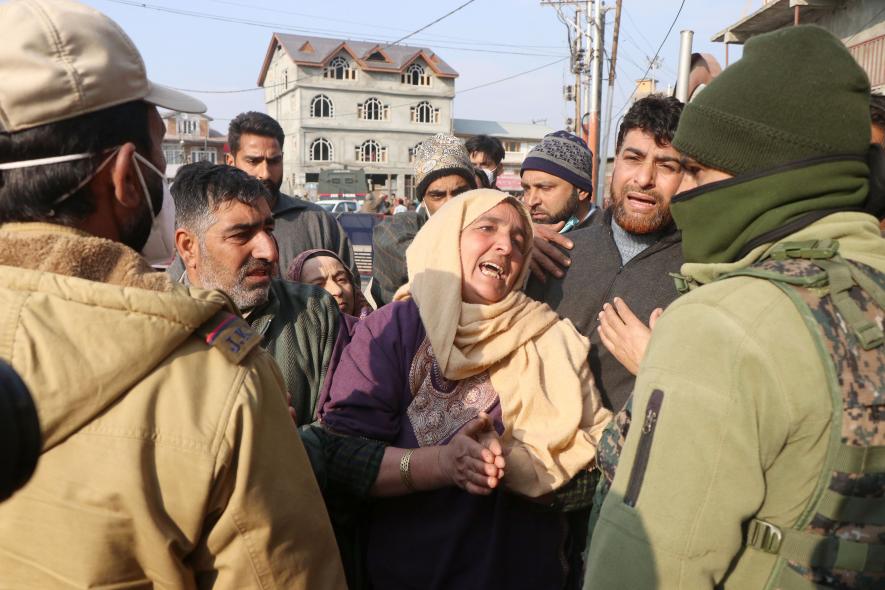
(169, 458)
(487, 154)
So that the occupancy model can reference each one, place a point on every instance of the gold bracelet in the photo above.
(404, 472)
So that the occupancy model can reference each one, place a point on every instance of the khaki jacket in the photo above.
(167, 463)
(741, 431)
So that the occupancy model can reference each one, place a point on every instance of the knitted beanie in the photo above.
(438, 156)
(564, 155)
(796, 93)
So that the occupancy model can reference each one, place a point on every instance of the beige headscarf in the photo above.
(552, 412)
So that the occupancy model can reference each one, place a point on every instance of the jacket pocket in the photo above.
(637, 473)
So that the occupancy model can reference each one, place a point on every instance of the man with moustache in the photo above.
(557, 185)
(626, 254)
(256, 147)
(224, 236)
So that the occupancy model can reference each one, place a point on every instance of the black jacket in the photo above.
(302, 225)
(390, 240)
(596, 276)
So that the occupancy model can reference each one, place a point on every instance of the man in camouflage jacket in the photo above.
(733, 409)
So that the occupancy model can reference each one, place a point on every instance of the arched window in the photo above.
(321, 106)
(371, 151)
(424, 113)
(413, 151)
(415, 76)
(321, 150)
(372, 110)
(339, 69)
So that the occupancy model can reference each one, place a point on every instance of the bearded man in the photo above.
(624, 256)
(224, 236)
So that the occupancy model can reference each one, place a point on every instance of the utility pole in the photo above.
(591, 135)
(579, 26)
(599, 179)
(578, 67)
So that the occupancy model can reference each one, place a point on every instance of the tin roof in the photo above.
(500, 129)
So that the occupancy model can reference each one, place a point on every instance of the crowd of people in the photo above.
(250, 417)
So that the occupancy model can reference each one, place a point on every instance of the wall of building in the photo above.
(289, 90)
(861, 26)
(190, 142)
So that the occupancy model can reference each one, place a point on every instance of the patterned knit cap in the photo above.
(441, 155)
(564, 155)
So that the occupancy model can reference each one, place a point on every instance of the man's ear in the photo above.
(229, 159)
(127, 188)
(583, 195)
(187, 246)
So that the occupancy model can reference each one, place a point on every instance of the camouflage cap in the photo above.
(438, 156)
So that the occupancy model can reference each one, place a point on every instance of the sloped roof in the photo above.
(500, 129)
(773, 15)
(318, 51)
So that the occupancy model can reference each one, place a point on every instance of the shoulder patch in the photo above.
(230, 334)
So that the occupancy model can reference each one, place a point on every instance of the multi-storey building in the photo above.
(189, 138)
(355, 105)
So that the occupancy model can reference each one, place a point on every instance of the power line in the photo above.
(303, 30)
(300, 78)
(427, 26)
(653, 59)
(513, 76)
(396, 106)
(638, 30)
(429, 39)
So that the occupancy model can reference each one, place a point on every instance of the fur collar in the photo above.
(66, 251)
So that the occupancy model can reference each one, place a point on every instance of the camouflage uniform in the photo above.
(844, 515)
(733, 447)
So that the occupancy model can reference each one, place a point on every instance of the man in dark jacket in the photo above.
(628, 251)
(256, 144)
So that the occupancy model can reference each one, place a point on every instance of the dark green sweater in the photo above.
(299, 325)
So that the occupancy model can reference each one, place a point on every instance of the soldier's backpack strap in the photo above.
(838, 537)
(230, 335)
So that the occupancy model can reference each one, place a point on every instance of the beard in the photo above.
(273, 188)
(566, 212)
(135, 231)
(640, 223)
(215, 276)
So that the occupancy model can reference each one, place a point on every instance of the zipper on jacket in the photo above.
(637, 473)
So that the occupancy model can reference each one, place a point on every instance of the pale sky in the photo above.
(196, 52)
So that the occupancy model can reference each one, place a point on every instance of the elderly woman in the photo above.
(463, 341)
(326, 270)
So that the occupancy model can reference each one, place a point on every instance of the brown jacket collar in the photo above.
(67, 251)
